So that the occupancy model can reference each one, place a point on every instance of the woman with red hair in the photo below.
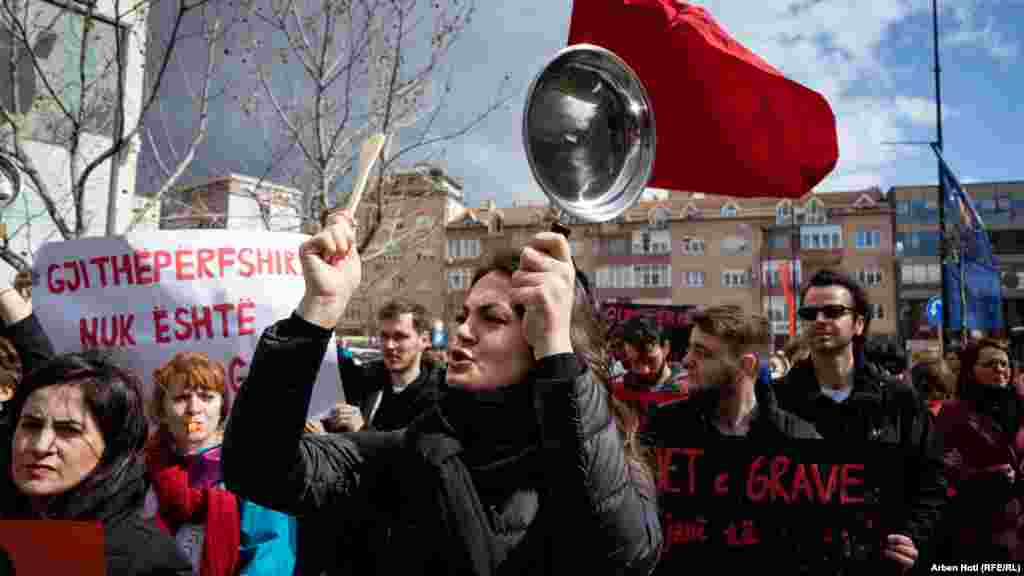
(221, 534)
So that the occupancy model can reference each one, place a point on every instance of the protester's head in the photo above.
(933, 379)
(404, 334)
(835, 313)
(10, 370)
(725, 344)
(80, 420)
(646, 348)
(190, 401)
(983, 364)
(488, 350)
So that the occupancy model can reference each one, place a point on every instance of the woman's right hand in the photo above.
(332, 271)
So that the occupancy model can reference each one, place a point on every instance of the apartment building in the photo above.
(916, 210)
(701, 250)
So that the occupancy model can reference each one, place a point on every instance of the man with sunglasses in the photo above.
(849, 399)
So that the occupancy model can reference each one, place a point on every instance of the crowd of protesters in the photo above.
(528, 444)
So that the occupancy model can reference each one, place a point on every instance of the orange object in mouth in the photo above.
(194, 426)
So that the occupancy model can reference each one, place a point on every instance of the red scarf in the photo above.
(180, 503)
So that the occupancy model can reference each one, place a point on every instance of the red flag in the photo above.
(786, 277)
(727, 122)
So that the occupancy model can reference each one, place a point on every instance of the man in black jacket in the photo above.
(388, 394)
(728, 403)
(848, 399)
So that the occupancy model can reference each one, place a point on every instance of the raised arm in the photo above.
(610, 499)
(22, 328)
(266, 456)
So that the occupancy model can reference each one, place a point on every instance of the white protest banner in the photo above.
(150, 295)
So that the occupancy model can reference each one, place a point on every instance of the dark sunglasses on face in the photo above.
(996, 363)
(831, 312)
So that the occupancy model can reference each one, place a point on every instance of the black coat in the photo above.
(567, 503)
(365, 385)
(132, 546)
(886, 411)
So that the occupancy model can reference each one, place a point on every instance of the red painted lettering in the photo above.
(204, 257)
(291, 260)
(202, 318)
(225, 259)
(141, 269)
(824, 492)
(722, 484)
(757, 486)
(161, 326)
(780, 464)
(235, 369)
(184, 331)
(125, 268)
(245, 260)
(802, 484)
(265, 261)
(54, 280)
(246, 321)
(183, 265)
(847, 481)
(100, 262)
(161, 259)
(224, 309)
(76, 279)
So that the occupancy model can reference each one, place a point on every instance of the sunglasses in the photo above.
(831, 312)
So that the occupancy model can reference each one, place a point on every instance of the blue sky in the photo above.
(872, 59)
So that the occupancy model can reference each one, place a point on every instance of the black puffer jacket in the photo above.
(886, 411)
(466, 489)
(132, 546)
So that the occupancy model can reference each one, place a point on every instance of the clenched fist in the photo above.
(545, 285)
(332, 271)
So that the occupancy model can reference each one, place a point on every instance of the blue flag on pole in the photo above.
(976, 276)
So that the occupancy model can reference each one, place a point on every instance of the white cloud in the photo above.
(968, 32)
(921, 111)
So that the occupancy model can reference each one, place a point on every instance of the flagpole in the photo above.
(943, 251)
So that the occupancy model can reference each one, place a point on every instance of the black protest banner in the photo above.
(675, 319)
(804, 500)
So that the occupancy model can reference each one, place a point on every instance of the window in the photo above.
(652, 275)
(869, 238)
(693, 278)
(902, 208)
(652, 242)
(424, 221)
(693, 246)
(615, 276)
(815, 212)
(777, 240)
(730, 210)
(921, 273)
(458, 279)
(659, 218)
(463, 248)
(574, 247)
(80, 81)
(783, 212)
(870, 276)
(735, 279)
(616, 246)
(823, 237)
(735, 246)
(398, 283)
(877, 311)
(772, 270)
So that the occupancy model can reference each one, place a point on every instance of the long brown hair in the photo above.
(591, 344)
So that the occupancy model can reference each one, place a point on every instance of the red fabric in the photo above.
(786, 277)
(727, 122)
(217, 509)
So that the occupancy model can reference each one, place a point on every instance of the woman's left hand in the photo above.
(545, 286)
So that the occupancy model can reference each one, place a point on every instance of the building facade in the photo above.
(69, 73)
(916, 210)
(703, 250)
